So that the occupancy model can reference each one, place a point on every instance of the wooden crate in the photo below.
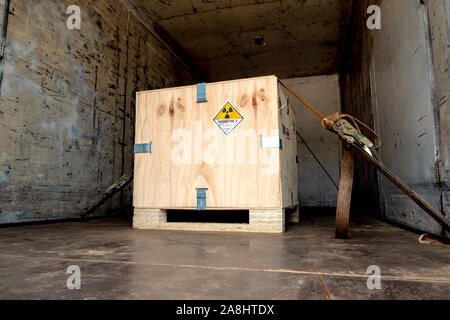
(240, 146)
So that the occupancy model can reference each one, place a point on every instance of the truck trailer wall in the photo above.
(68, 104)
(439, 24)
(394, 87)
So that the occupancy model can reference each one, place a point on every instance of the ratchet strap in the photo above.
(330, 121)
(348, 129)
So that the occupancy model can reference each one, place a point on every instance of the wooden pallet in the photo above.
(260, 220)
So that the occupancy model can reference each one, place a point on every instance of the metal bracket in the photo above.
(201, 93)
(201, 199)
(271, 143)
(143, 148)
(349, 133)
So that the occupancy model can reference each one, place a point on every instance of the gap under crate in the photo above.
(209, 216)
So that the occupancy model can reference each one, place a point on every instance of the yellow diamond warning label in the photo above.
(228, 118)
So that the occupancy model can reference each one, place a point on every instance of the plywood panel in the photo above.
(288, 154)
(190, 151)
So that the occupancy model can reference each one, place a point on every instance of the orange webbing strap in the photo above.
(329, 122)
(306, 104)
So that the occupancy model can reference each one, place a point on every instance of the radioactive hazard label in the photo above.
(228, 118)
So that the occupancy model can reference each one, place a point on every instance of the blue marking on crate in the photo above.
(201, 199)
(143, 148)
(201, 93)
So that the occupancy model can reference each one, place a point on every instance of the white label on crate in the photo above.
(228, 118)
(270, 142)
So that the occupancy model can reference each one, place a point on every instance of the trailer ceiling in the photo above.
(300, 37)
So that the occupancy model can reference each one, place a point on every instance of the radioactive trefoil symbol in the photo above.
(228, 118)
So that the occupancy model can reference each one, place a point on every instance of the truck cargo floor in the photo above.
(306, 262)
